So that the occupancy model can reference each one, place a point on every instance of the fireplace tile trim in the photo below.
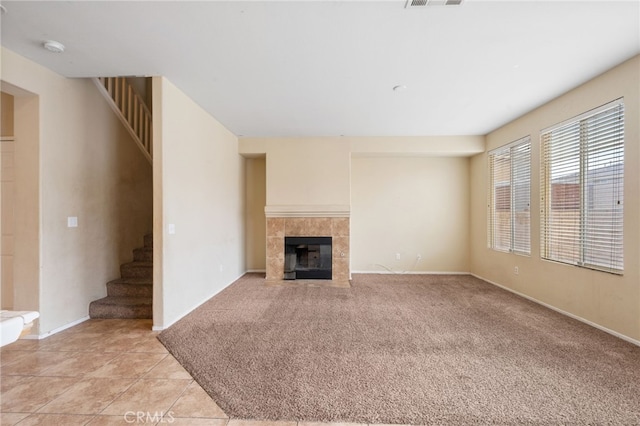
(326, 210)
(298, 226)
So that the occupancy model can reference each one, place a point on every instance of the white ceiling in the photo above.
(327, 68)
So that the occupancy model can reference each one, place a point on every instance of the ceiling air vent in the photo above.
(420, 3)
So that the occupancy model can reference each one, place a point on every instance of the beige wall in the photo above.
(255, 226)
(411, 206)
(417, 146)
(73, 158)
(317, 171)
(6, 111)
(7, 177)
(364, 173)
(304, 171)
(27, 214)
(199, 188)
(7, 152)
(608, 300)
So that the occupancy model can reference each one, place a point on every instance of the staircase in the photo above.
(131, 109)
(131, 295)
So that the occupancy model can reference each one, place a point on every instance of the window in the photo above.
(509, 197)
(582, 190)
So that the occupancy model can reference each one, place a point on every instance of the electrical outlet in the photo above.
(397, 256)
(516, 270)
(418, 257)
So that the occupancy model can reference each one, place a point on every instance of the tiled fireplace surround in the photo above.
(335, 227)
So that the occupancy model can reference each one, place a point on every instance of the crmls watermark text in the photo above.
(149, 417)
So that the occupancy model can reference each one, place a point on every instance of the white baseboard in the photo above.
(54, 331)
(256, 271)
(569, 314)
(412, 272)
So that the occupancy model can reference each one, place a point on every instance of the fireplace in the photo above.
(281, 227)
(307, 258)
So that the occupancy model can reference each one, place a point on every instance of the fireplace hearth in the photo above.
(307, 258)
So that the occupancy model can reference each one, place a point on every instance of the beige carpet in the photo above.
(404, 349)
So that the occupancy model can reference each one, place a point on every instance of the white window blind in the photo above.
(582, 190)
(509, 197)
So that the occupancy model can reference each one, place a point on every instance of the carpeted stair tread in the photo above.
(138, 264)
(132, 287)
(143, 254)
(125, 301)
(132, 281)
(137, 270)
(121, 307)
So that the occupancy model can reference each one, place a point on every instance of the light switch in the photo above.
(72, 222)
(172, 228)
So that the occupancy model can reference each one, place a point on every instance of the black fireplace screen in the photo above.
(307, 258)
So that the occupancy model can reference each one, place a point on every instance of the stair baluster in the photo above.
(130, 109)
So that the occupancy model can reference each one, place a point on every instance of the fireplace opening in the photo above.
(307, 258)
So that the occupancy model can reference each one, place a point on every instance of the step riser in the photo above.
(124, 312)
(136, 272)
(129, 290)
(143, 255)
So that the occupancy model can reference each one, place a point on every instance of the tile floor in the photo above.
(104, 372)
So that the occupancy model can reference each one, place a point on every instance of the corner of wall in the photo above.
(158, 204)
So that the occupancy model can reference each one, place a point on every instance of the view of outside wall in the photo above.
(582, 180)
(510, 197)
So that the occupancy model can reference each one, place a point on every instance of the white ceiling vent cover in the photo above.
(420, 3)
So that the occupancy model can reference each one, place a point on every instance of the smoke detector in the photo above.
(53, 46)
(421, 3)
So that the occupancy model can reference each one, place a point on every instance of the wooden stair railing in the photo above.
(130, 109)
